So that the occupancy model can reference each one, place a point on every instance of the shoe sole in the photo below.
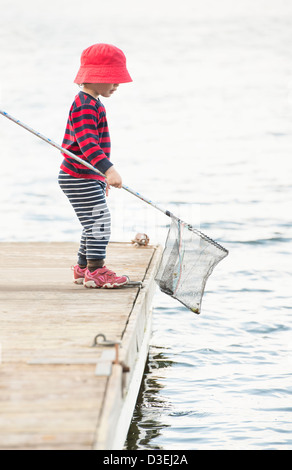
(92, 285)
(80, 280)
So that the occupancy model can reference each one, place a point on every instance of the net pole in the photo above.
(80, 160)
(91, 167)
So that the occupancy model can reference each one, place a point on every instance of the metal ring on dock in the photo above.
(104, 341)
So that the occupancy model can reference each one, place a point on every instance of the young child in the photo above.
(102, 69)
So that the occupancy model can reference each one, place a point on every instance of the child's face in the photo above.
(103, 89)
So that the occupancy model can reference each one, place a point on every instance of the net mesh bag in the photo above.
(188, 259)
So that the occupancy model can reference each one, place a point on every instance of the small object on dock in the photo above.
(141, 239)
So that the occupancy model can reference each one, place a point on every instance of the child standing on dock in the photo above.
(102, 69)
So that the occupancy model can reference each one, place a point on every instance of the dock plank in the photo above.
(46, 318)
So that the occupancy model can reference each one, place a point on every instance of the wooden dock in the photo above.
(60, 387)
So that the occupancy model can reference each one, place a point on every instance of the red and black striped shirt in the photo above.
(87, 136)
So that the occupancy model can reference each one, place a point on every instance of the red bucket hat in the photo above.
(102, 63)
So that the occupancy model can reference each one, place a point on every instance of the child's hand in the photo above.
(113, 177)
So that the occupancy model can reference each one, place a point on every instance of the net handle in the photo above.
(126, 188)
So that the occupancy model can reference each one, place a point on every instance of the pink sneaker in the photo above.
(78, 274)
(103, 277)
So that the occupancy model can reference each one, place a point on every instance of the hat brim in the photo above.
(104, 74)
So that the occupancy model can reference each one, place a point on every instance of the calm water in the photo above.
(206, 130)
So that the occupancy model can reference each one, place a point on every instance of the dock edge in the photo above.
(126, 375)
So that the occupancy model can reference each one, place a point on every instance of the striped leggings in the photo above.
(87, 197)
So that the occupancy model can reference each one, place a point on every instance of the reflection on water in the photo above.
(147, 422)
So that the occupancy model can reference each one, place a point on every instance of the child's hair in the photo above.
(102, 63)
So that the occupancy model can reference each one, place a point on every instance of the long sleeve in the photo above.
(87, 136)
(86, 125)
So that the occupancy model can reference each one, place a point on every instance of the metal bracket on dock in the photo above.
(134, 284)
(108, 358)
(104, 363)
(104, 341)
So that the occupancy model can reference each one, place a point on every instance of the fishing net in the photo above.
(188, 259)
